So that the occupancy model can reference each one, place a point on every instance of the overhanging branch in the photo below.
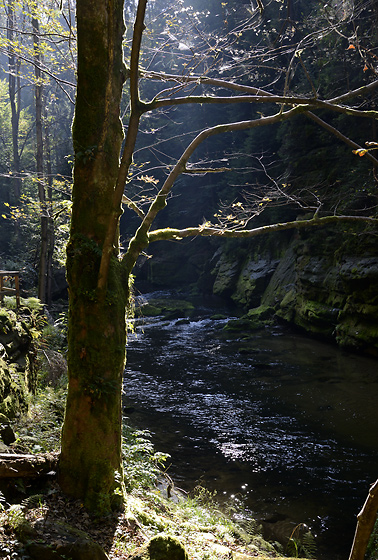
(140, 239)
(361, 91)
(171, 233)
(339, 135)
(131, 204)
(257, 95)
(307, 102)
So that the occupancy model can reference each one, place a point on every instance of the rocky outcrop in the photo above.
(242, 272)
(17, 356)
(325, 282)
(12, 391)
(226, 272)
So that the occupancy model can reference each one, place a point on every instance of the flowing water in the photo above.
(286, 424)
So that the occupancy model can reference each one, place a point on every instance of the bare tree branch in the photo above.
(341, 136)
(161, 76)
(128, 150)
(309, 103)
(131, 204)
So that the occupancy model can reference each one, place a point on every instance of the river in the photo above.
(283, 423)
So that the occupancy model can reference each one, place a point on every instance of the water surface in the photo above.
(283, 422)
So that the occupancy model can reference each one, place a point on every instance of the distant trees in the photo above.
(14, 85)
(235, 66)
(37, 43)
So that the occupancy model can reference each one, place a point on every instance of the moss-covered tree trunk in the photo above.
(90, 464)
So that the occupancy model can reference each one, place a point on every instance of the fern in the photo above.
(308, 545)
(301, 544)
(33, 501)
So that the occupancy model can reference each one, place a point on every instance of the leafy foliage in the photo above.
(141, 463)
(40, 430)
(372, 548)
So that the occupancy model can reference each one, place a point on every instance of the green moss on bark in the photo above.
(91, 442)
(91, 466)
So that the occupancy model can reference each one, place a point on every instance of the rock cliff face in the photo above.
(325, 282)
(17, 355)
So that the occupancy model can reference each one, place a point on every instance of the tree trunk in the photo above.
(50, 223)
(14, 87)
(90, 465)
(365, 524)
(39, 160)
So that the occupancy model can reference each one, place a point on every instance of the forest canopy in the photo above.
(294, 49)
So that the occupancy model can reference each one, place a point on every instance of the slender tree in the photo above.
(38, 39)
(38, 93)
(366, 520)
(14, 83)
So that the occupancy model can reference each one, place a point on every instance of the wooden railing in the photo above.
(7, 277)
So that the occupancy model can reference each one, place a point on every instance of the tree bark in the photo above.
(365, 524)
(39, 159)
(90, 465)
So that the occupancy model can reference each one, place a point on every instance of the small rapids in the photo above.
(285, 424)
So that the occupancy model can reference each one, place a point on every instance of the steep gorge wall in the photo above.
(325, 282)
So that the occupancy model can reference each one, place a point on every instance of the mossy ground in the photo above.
(206, 535)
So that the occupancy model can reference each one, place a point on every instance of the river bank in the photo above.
(38, 521)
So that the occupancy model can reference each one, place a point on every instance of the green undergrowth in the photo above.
(39, 430)
(208, 530)
(153, 504)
